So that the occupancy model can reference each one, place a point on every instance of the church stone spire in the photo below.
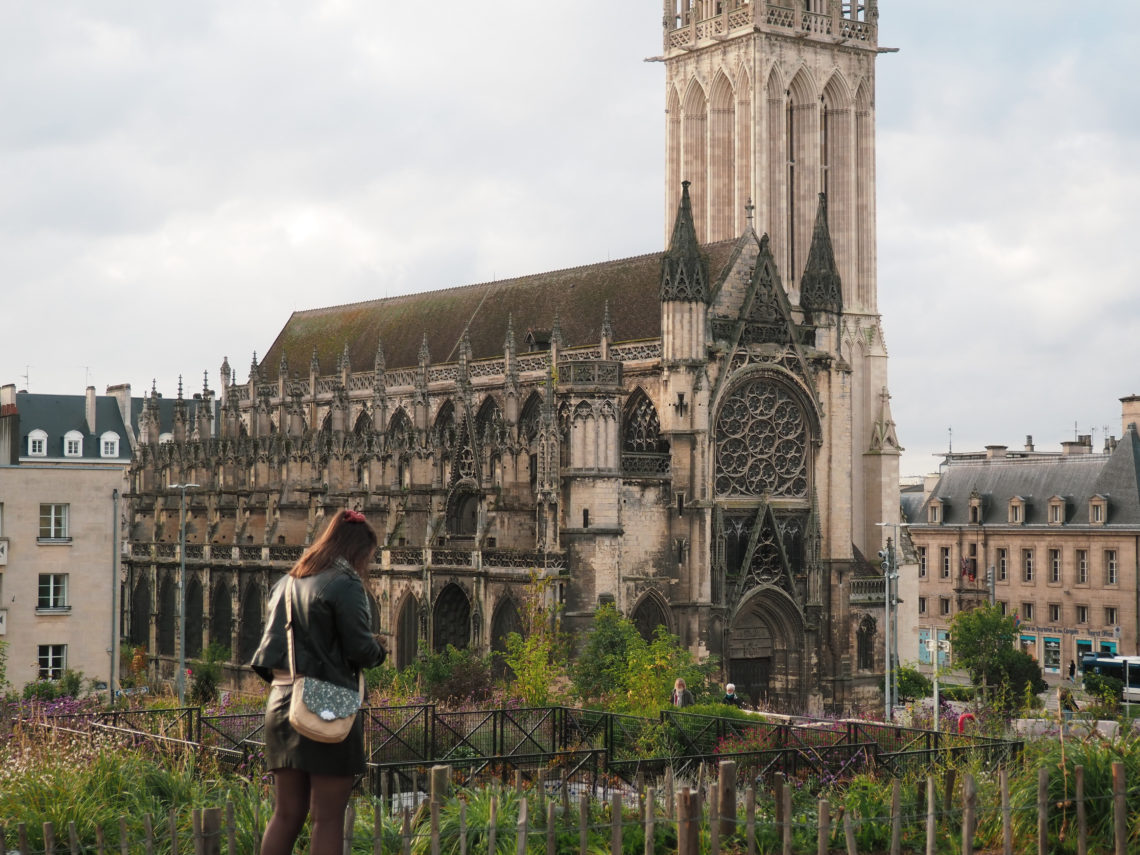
(684, 273)
(820, 288)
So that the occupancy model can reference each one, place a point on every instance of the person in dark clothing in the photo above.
(682, 697)
(730, 697)
(333, 641)
(1072, 671)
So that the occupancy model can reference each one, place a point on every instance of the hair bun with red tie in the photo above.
(353, 516)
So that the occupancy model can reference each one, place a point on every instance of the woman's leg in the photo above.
(327, 803)
(292, 791)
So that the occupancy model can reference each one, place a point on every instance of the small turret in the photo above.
(820, 287)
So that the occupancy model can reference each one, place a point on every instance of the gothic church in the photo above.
(701, 436)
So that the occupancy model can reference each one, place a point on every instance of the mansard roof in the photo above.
(57, 415)
(1038, 479)
(577, 296)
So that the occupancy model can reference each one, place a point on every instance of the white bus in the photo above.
(1123, 668)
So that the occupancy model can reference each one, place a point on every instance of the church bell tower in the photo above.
(772, 103)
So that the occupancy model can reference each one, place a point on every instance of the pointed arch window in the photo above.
(644, 451)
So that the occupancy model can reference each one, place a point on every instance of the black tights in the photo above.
(298, 794)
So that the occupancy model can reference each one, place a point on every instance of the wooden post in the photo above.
(520, 834)
(969, 804)
(196, 820)
(212, 831)
(1082, 819)
(778, 798)
(948, 793)
(1006, 814)
(148, 835)
(669, 800)
(124, 840)
(1119, 808)
(385, 793)
(896, 817)
(650, 820)
(823, 830)
(1043, 811)
(615, 822)
(540, 791)
(349, 829)
(930, 814)
(433, 828)
(22, 835)
(406, 830)
(726, 791)
(100, 841)
(750, 819)
(172, 830)
(688, 823)
(73, 838)
(714, 818)
(551, 836)
(566, 799)
(583, 823)
(377, 827)
(849, 833)
(787, 811)
(440, 779)
(462, 828)
(49, 838)
(231, 827)
(494, 824)
(518, 781)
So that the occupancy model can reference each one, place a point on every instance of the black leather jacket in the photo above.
(332, 628)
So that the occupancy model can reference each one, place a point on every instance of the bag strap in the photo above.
(289, 637)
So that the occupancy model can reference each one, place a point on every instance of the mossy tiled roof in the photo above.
(577, 295)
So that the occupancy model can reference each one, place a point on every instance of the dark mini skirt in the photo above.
(287, 749)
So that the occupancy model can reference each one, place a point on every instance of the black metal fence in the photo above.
(401, 743)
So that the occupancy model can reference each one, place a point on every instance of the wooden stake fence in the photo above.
(712, 805)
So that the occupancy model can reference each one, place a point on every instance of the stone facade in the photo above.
(1056, 532)
(63, 463)
(683, 434)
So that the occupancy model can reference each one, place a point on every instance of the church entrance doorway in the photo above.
(765, 649)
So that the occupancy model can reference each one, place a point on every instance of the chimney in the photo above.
(996, 452)
(1081, 445)
(90, 410)
(1029, 442)
(1130, 411)
(9, 426)
(122, 395)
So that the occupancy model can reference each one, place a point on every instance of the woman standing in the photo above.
(333, 641)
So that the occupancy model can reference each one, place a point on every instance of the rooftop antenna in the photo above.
(86, 376)
(27, 372)
(950, 440)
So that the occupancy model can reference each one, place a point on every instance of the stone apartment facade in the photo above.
(63, 463)
(1058, 531)
(701, 436)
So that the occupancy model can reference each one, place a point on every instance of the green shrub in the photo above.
(206, 674)
(913, 684)
(455, 675)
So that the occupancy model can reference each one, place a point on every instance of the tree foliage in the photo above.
(537, 656)
(983, 641)
(620, 670)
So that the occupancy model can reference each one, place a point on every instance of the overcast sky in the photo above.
(177, 178)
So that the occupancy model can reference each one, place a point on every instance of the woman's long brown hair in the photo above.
(347, 536)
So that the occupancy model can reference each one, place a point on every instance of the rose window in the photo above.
(762, 443)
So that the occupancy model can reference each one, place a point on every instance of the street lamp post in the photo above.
(889, 563)
(180, 677)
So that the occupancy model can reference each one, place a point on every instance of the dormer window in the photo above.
(1057, 511)
(1098, 510)
(934, 512)
(37, 443)
(1016, 510)
(975, 509)
(109, 444)
(73, 444)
